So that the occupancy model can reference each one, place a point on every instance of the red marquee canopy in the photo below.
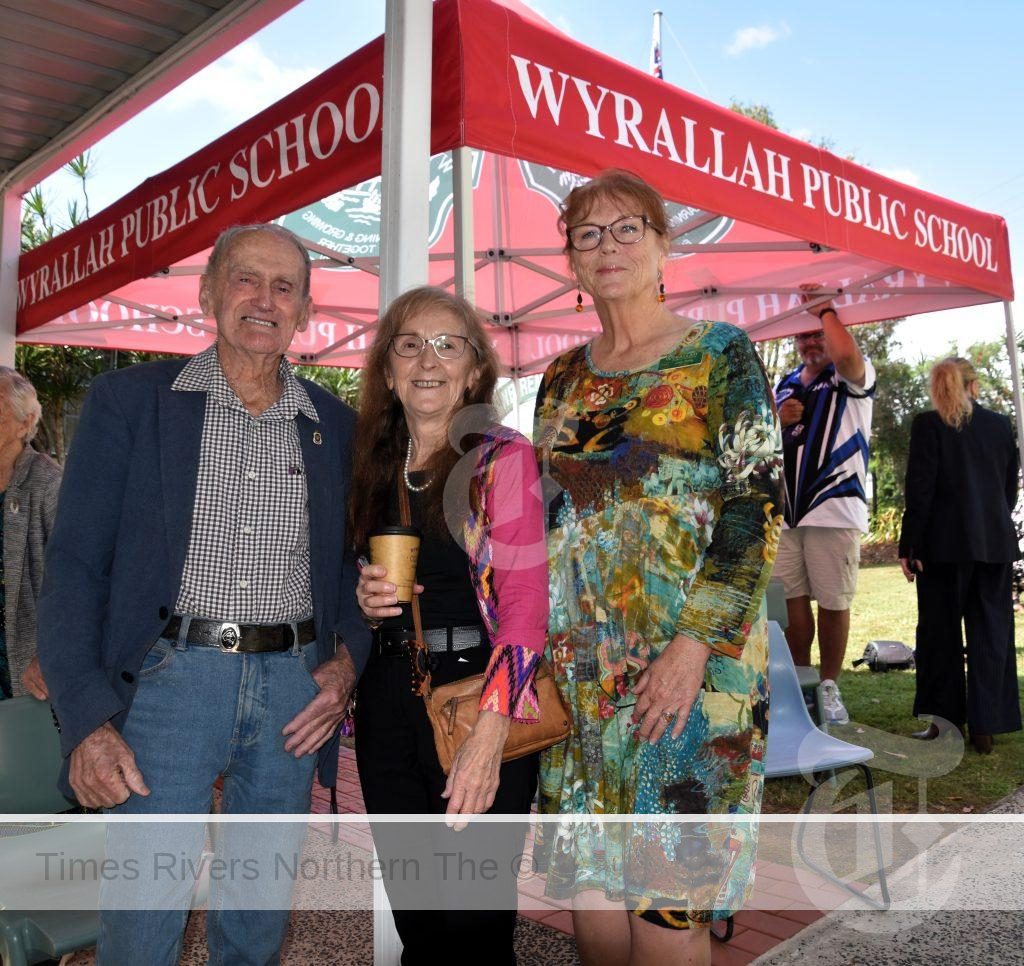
(754, 212)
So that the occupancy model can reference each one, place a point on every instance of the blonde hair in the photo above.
(950, 382)
(21, 396)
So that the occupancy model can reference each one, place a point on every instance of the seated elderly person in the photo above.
(29, 483)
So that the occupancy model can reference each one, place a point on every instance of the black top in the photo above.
(442, 568)
(961, 489)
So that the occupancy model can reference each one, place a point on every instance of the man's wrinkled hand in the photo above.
(103, 771)
(315, 723)
(32, 678)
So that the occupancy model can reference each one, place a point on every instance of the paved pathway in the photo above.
(978, 865)
(781, 906)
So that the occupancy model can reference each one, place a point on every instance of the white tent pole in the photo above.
(462, 191)
(10, 250)
(405, 204)
(405, 150)
(518, 395)
(1018, 400)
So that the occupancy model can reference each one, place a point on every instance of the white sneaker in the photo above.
(835, 710)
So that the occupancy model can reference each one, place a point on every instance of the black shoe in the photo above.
(982, 744)
(929, 734)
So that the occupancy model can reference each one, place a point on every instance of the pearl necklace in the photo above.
(405, 472)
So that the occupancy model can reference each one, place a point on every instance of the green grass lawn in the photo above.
(956, 781)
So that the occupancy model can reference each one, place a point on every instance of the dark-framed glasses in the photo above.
(627, 230)
(446, 346)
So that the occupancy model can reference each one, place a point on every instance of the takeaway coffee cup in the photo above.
(397, 548)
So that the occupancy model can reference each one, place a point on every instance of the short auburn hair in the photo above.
(618, 184)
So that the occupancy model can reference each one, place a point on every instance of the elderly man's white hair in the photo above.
(223, 243)
(20, 395)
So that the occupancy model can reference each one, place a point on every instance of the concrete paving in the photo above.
(970, 910)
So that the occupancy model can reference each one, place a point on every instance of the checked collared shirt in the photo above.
(248, 553)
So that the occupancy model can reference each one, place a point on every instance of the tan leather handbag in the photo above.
(453, 708)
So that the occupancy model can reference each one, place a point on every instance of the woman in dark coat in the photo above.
(958, 542)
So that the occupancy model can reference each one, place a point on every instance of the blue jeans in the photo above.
(200, 713)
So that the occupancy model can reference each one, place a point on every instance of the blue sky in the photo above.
(927, 92)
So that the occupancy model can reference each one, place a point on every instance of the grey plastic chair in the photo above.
(67, 915)
(810, 680)
(30, 762)
(797, 747)
(775, 603)
(30, 758)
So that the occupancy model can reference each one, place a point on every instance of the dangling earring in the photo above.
(579, 298)
(661, 289)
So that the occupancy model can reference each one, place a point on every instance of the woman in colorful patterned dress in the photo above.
(662, 440)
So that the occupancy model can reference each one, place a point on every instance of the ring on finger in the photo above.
(668, 715)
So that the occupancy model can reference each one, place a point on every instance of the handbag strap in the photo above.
(417, 621)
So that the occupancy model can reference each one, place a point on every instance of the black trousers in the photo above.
(979, 594)
(399, 773)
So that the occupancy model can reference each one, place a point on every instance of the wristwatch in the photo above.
(828, 309)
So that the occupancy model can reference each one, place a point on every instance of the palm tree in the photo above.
(37, 226)
(82, 168)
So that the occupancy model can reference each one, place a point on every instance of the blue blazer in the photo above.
(116, 555)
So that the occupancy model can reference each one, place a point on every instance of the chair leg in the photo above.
(821, 723)
(726, 933)
(818, 711)
(334, 811)
(882, 882)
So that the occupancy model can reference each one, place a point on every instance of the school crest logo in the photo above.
(348, 222)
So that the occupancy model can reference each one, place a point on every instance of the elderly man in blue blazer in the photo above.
(197, 617)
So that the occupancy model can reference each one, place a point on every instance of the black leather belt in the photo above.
(247, 638)
(394, 643)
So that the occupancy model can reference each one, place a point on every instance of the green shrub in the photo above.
(885, 526)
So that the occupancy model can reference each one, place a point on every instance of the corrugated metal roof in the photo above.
(62, 59)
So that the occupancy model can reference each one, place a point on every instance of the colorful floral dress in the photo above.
(664, 518)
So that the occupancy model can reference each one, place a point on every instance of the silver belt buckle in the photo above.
(230, 637)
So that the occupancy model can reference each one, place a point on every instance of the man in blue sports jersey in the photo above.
(825, 410)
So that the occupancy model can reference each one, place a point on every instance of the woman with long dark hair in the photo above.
(426, 425)
(958, 544)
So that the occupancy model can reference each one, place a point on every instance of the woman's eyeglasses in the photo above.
(627, 230)
(445, 346)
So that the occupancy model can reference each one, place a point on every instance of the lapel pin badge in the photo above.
(317, 438)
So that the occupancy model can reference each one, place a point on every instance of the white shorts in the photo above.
(820, 563)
